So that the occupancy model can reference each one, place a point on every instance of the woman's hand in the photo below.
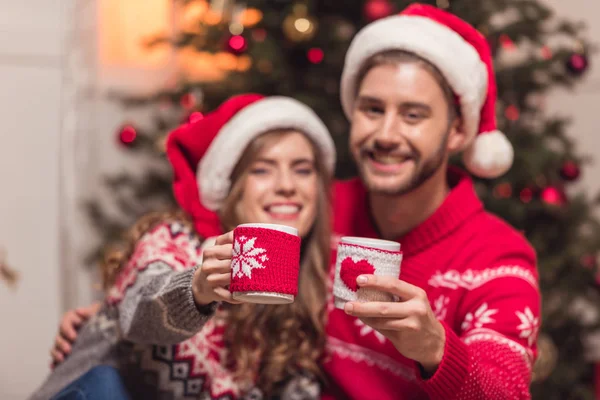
(212, 279)
(67, 331)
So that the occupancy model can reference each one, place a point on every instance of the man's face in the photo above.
(401, 133)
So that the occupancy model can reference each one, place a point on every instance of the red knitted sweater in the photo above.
(481, 279)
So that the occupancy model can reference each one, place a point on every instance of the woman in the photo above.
(254, 159)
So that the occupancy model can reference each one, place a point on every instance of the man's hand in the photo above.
(409, 323)
(67, 331)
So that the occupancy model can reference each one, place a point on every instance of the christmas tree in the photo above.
(297, 48)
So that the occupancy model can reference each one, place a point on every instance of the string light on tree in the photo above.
(553, 196)
(315, 55)
(377, 9)
(299, 26)
(127, 135)
(265, 66)
(444, 4)
(344, 30)
(237, 44)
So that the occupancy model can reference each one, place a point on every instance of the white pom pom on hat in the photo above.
(462, 55)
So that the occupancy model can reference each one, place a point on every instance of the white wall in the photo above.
(31, 34)
(582, 104)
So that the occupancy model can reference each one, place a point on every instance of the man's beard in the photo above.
(423, 171)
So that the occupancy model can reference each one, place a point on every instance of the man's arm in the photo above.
(490, 356)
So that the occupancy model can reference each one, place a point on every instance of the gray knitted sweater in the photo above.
(151, 330)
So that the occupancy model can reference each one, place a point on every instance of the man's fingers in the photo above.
(62, 345)
(67, 329)
(386, 309)
(377, 309)
(385, 325)
(392, 285)
(57, 356)
(86, 312)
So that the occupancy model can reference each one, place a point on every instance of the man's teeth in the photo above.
(284, 209)
(385, 159)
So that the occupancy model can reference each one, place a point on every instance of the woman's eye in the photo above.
(304, 171)
(258, 171)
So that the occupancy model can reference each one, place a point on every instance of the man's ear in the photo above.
(456, 136)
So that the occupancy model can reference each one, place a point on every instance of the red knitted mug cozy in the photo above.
(354, 260)
(264, 260)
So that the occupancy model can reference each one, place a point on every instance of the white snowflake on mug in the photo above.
(246, 257)
(482, 316)
(529, 325)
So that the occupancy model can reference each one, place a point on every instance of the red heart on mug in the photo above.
(350, 270)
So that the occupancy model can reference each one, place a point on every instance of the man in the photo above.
(417, 88)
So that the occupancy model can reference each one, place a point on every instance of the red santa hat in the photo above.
(204, 153)
(462, 55)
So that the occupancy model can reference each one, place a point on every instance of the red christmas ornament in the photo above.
(512, 113)
(578, 63)
(506, 42)
(237, 44)
(503, 190)
(376, 9)
(187, 101)
(526, 195)
(127, 135)
(546, 53)
(553, 196)
(259, 35)
(570, 171)
(588, 261)
(315, 55)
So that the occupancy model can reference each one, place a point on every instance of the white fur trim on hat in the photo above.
(265, 115)
(456, 59)
(490, 155)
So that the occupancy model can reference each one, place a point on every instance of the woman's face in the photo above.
(281, 184)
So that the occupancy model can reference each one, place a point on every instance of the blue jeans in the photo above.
(99, 383)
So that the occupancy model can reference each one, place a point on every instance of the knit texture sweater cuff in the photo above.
(178, 299)
(452, 372)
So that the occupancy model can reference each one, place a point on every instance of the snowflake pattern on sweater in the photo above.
(481, 280)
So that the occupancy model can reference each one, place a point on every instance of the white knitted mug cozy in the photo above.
(357, 256)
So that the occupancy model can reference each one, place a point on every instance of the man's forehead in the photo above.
(400, 82)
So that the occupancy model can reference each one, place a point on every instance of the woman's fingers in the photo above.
(219, 252)
(219, 280)
(210, 267)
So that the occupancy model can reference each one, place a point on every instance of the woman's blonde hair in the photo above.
(266, 343)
